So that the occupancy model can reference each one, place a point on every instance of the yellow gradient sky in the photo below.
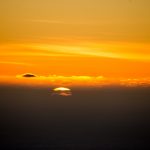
(75, 37)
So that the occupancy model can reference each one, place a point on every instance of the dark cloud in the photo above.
(29, 75)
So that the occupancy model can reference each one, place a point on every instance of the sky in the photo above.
(75, 37)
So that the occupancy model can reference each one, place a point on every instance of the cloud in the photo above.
(73, 81)
(69, 81)
(128, 51)
(74, 50)
(15, 63)
(28, 75)
(61, 22)
(116, 50)
(47, 21)
(56, 80)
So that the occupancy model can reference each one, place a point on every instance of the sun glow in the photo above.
(61, 89)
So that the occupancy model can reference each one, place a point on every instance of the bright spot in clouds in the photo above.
(62, 91)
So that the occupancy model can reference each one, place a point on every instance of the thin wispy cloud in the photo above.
(16, 63)
(74, 50)
(47, 21)
(99, 50)
(61, 22)
(110, 50)
(29, 49)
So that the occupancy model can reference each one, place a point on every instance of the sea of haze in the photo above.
(98, 118)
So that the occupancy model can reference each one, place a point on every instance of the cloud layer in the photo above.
(76, 81)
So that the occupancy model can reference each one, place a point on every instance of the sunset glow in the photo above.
(103, 38)
(61, 89)
(75, 74)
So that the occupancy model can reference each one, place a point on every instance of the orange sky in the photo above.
(61, 59)
(75, 38)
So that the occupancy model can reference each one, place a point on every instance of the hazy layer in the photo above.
(72, 81)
